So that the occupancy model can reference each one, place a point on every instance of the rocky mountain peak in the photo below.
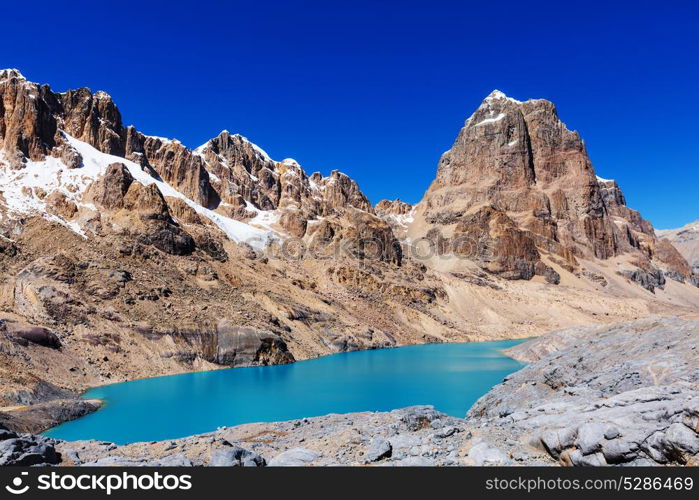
(393, 207)
(497, 95)
(521, 162)
(10, 73)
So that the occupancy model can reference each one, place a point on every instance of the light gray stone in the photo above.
(295, 457)
(379, 448)
(590, 437)
(404, 441)
(682, 438)
(485, 454)
(413, 462)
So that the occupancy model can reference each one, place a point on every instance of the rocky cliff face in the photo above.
(686, 240)
(516, 170)
(521, 159)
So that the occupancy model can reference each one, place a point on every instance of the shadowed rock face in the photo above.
(242, 346)
(26, 450)
(24, 334)
(37, 417)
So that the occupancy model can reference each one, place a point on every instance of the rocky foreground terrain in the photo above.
(624, 394)
(124, 255)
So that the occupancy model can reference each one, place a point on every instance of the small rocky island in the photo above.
(623, 394)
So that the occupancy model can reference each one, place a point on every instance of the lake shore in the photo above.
(612, 407)
(42, 416)
(450, 376)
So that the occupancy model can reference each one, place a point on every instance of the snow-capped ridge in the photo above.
(257, 148)
(164, 139)
(263, 154)
(11, 73)
(497, 94)
(52, 175)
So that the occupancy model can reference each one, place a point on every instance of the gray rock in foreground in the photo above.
(26, 449)
(621, 394)
(378, 449)
(296, 457)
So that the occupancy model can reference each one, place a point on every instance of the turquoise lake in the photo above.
(451, 377)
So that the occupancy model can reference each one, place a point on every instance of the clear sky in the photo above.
(380, 89)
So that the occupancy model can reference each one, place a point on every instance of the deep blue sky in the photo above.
(380, 89)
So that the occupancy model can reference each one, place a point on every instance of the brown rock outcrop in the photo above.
(243, 346)
(356, 234)
(396, 207)
(27, 123)
(176, 165)
(92, 118)
(110, 190)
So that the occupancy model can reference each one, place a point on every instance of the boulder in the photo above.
(650, 279)
(168, 238)
(379, 448)
(484, 453)
(26, 450)
(25, 334)
(234, 456)
(419, 417)
(295, 457)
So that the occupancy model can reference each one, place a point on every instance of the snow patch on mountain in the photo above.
(496, 94)
(600, 179)
(23, 191)
(491, 120)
